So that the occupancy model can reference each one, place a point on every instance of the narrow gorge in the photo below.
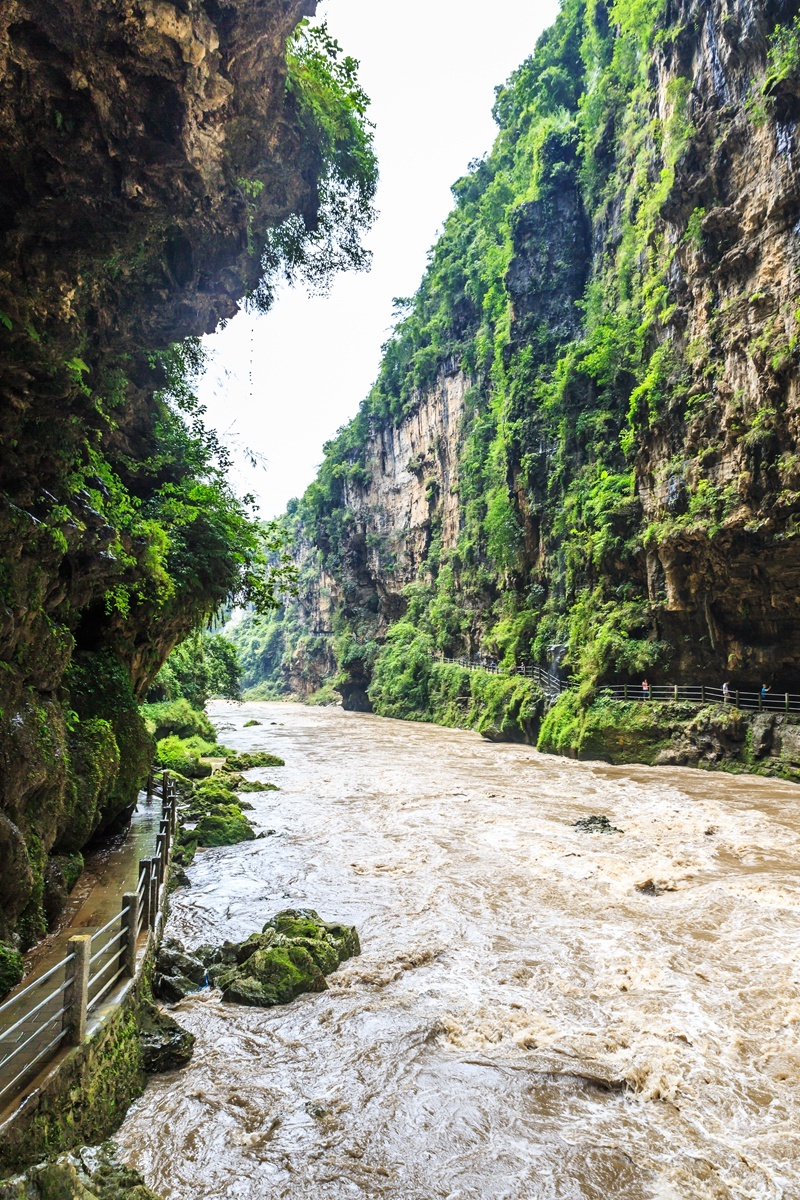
(580, 451)
(361, 853)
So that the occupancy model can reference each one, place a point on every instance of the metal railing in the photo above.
(698, 694)
(52, 1011)
(550, 684)
(702, 694)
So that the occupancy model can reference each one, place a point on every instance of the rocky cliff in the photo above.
(614, 298)
(157, 165)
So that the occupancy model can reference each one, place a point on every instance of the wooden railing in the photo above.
(53, 1010)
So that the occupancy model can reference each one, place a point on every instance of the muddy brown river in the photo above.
(537, 1011)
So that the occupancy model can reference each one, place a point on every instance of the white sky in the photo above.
(283, 383)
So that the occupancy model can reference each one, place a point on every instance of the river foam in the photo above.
(537, 1011)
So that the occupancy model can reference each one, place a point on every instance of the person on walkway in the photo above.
(726, 692)
(764, 691)
(645, 690)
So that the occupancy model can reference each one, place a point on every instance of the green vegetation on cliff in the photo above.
(165, 173)
(621, 496)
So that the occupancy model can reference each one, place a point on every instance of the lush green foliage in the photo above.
(176, 716)
(203, 666)
(409, 683)
(332, 106)
(11, 968)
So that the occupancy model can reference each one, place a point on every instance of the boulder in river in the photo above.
(293, 953)
(176, 972)
(165, 1044)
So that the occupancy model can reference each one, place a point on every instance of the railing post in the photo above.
(130, 923)
(153, 910)
(786, 698)
(625, 691)
(165, 830)
(76, 996)
(737, 699)
(675, 692)
(702, 693)
(760, 700)
(144, 867)
(164, 787)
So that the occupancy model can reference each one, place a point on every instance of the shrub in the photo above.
(178, 717)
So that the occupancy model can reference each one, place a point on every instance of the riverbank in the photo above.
(537, 1009)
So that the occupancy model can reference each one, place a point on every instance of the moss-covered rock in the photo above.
(246, 762)
(673, 734)
(88, 1174)
(225, 826)
(177, 717)
(61, 875)
(238, 783)
(293, 954)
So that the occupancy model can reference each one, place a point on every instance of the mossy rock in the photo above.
(177, 717)
(246, 762)
(89, 1174)
(12, 966)
(225, 826)
(61, 875)
(185, 848)
(238, 783)
(250, 724)
(293, 954)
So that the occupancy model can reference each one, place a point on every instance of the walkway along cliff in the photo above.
(581, 451)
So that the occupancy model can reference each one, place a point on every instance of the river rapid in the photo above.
(537, 1011)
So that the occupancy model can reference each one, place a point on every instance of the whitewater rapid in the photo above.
(537, 1012)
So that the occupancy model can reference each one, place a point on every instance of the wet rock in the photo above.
(92, 1173)
(250, 724)
(178, 878)
(238, 783)
(227, 826)
(293, 954)
(652, 887)
(61, 874)
(177, 973)
(165, 1044)
(596, 823)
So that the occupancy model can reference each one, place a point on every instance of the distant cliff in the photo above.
(582, 447)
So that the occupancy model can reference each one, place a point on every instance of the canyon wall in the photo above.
(154, 155)
(616, 293)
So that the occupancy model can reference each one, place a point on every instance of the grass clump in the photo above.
(11, 968)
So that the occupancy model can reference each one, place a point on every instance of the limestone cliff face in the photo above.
(731, 425)
(612, 312)
(410, 491)
(148, 148)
